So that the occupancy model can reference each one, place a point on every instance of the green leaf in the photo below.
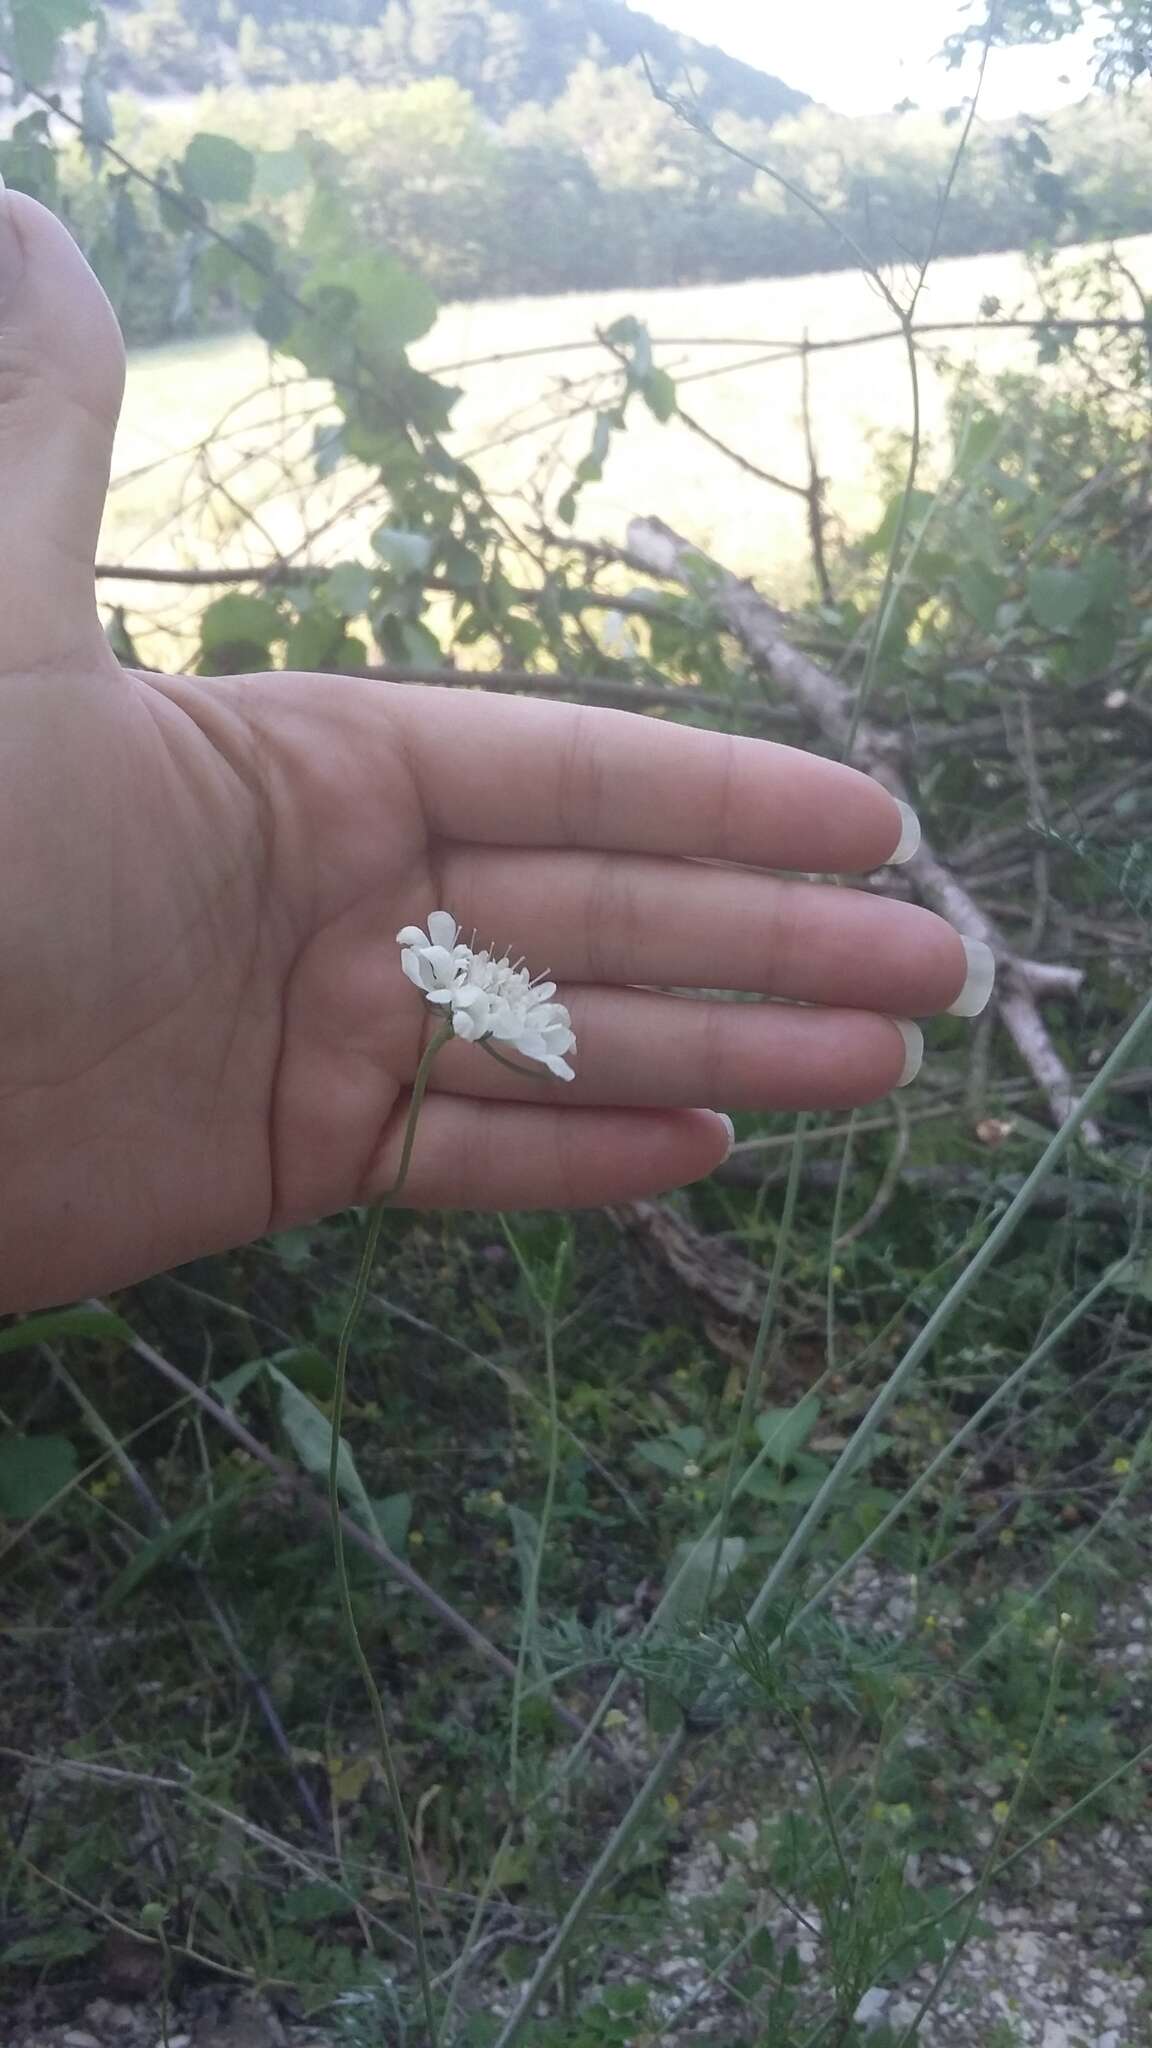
(673, 1452)
(240, 618)
(328, 450)
(460, 563)
(625, 331)
(179, 212)
(56, 1945)
(95, 113)
(170, 1540)
(393, 1518)
(36, 29)
(59, 1323)
(784, 1431)
(979, 440)
(308, 1904)
(526, 1538)
(229, 1389)
(217, 169)
(33, 1470)
(242, 266)
(310, 1434)
(352, 654)
(313, 641)
(28, 160)
(421, 647)
(308, 1368)
(408, 554)
(278, 172)
(275, 317)
(566, 507)
(980, 592)
(591, 469)
(690, 1575)
(1059, 598)
(348, 588)
(920, 504)
(396, 306)
(659, 393)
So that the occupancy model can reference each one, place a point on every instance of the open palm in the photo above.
(206, 1033)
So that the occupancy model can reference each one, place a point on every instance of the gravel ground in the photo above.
(1064, 1965)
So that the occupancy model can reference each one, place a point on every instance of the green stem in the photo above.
(969, 1428)
(552, 1961)
(980, 1890)
(934, 1328)
(755, 1378)
(532, 1586)
(355, 1307)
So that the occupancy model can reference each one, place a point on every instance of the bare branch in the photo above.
(762, 629)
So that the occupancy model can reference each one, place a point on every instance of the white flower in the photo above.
(488, 998)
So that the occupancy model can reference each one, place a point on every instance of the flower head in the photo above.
(487, 997)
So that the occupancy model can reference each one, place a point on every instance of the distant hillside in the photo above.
(511, 147)
(506, 53)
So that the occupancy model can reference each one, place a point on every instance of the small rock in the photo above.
(872, 2007)
(111, 2022)
(1056, 2035)
(1109, 2040)
(77, 2038)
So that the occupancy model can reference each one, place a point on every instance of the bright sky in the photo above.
(863, 56)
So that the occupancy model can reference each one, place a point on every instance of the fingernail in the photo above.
(731, 1130)
(913, 1049)
(910, 836)
(977, 990)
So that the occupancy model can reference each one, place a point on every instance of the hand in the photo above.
(206, 1033)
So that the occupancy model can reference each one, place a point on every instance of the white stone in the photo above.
(872, 2007)
(1056, 2035)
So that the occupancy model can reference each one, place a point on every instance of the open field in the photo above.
(207, 409)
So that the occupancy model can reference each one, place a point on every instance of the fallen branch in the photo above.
(762, 630)
(720, 1276)
(1097, 1200)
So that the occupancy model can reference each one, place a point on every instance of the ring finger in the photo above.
(639, 1049)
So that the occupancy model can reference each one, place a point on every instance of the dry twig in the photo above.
(762, 630)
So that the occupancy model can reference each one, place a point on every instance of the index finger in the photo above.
(513, 771)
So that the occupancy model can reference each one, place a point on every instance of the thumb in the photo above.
(61, 382)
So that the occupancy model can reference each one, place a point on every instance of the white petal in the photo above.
(467, 995)
(411, 935)
(543, 990)
(410, 962)
(560, 1068)
(465, 1026)
(445, 970)
(438, 995)
(442, 929)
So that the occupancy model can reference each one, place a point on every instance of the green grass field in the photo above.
(219, 410)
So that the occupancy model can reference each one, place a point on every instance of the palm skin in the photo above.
(206, 1034)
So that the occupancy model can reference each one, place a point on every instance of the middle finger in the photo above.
(642, 919)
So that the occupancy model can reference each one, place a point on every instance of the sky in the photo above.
(863, 56)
